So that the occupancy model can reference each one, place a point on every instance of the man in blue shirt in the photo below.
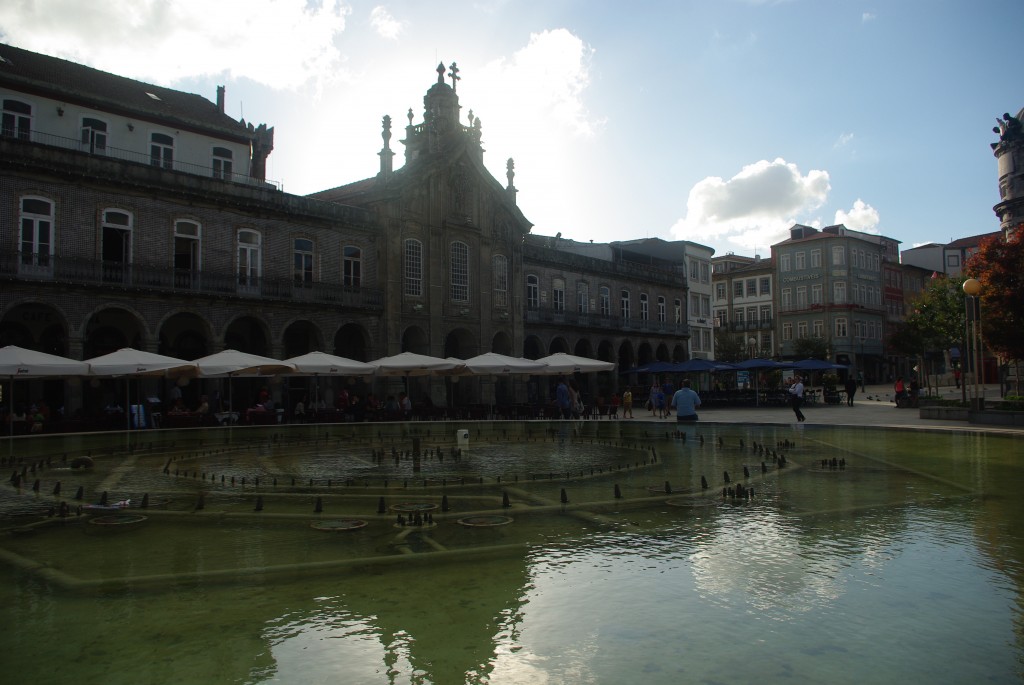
(686, 402)
(562, 399)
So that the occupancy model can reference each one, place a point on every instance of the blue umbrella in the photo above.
(761, 364)
(697, 365)
(816, 365)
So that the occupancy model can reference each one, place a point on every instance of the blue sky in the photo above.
(719, 121)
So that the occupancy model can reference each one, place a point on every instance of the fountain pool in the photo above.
(541, 553)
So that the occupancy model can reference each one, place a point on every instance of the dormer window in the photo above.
(161, 150)
(17, 120)
(222, 163)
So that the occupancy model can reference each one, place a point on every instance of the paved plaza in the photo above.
(874, 407)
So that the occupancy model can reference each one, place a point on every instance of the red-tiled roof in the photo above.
(973, 241)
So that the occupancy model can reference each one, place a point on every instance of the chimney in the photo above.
(220, 99)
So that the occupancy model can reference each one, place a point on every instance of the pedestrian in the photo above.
(956, 377)
(613, 413)
(899, 391)
(562, 400)
(851, 390)
(627, 403)
(652, 398)
(685, 401)
(796, 392)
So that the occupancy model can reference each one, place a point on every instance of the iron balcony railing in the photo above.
(110, 152)
(752, 325)
(16, 266)
(595, 320)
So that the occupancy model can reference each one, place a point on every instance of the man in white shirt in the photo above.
(796, 399)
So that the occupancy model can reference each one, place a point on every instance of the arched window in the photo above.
(17, 120)
(644, 307)
(605, 300)
(532, 291)
(624, 304)
(459, 272)
(413, 268)
(303, 262)
(250, 246)
(351, 266)
(662, 314)
(499, 271)
(36, 237)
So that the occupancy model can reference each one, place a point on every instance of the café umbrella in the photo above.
(18, 362)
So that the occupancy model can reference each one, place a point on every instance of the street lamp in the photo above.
(752, 344)
(972, 289)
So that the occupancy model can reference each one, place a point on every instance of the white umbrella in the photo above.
(233, 363)
(323, 364)
(494, 364)
(560, 362)
(17, 362)
(132, 363)
(412, 364)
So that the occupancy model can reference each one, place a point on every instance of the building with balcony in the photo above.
(744, 304)
(829, 286)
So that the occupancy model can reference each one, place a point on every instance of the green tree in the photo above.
(999, 266)
(935, 322)
(810, 348)
(729, 347)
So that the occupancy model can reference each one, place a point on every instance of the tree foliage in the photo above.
(935, 320)
(999, 266)
(729, 347)
(810, 348)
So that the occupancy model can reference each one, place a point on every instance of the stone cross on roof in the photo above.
(453, 74)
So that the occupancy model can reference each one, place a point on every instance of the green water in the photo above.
(904, 566)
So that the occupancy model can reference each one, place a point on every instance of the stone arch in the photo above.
(185, 335)
(108, 329)
(247, 334)
(415, 339)
(299, 337)
(352, 341)
(679, 353)
(644, 354)
(35, 326)
(533, 348)
(558, 344)
(661, 353)
(501, 343)
(461, 343)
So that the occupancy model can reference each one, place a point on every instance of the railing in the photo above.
(756, 325)
(110, 152)
(540, 315)
(832, 306)
(15, 266)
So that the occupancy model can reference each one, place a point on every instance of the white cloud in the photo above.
(384, 24)
(843, 140)
(280, 43)
(755, 207)
(867, 16)
(862, 217)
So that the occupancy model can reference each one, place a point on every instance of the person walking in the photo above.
(627, 403)
(899, 391)
(685, 401)
(851, 390)
(562, 400)
(796, 399)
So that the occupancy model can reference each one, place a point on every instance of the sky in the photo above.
(722, 122)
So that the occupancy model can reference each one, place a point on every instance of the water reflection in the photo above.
(908, 565)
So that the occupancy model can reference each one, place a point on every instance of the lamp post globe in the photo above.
(972, 287)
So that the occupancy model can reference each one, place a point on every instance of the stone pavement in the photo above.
(877, 411)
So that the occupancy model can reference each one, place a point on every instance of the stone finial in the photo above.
(440, 72)
(410, 115)
(510, 167)
(386, 132)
